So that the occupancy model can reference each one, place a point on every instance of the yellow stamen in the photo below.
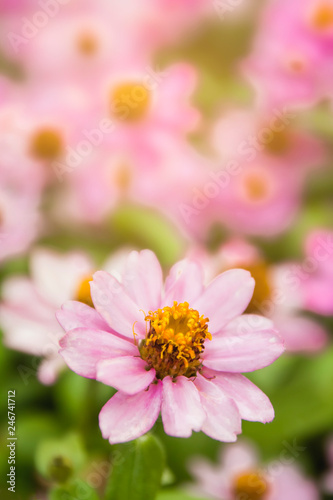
(175, 340)
(279, 143)
(130, 101)
(46, 144)
(250, 485)
(322, 17)
(255, 187)
(262, 291)
(87, 44)
(83, 291)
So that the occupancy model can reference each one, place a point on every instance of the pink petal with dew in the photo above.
(75, 314)
(251, 402)
(243, 352)
(114, 304)
(184, 282)
(301, 334)
(127, 374)
(142, 279)
(223, 421)
(83, 348)
(182, 411)
(226, 297)
(125, 417)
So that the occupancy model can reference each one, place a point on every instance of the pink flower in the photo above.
(316, 275)
(282, 67)
(256, 190)
(273, 296)
(240, 475)
(27, 312)
(179, 350)
(21, 183)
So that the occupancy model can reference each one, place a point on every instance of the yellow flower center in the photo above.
(262, 290)
(83, 291)
(130, 101)
(250, 485)
(175, 340)
(279, 143)
(87, 44)
(255, 187)
(322, 17)
(46, 144)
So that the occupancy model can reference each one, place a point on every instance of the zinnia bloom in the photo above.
(240, 475)
(179, 351)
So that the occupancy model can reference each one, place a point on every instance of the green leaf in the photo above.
(138, 471)
(145, 228)
(176, 495)
(76, 490)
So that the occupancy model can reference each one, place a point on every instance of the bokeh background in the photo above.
(193, 128)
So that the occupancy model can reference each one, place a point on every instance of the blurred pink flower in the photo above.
(294, 69)
(273, 296)
(154, 347)
(266, 161)
(21, 183)
(316, 276)
(27, 311)
(239, 474)
(102, 182)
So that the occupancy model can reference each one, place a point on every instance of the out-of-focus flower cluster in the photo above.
(195, 128)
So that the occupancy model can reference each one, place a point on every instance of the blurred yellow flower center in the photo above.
(123, 177)
(87, 44)
(250, 485)
(175, 340)
(83, 291)
(279, 143)
(322, 18)
(255, 187)
(46, 144)
(130, 101)
(262, 290)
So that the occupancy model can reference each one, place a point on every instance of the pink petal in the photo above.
(251, 402)
(116, 307)
(184, 282)
(182, 411)
(125, 417)
(225, 298)
(143, 279)
(289, 484)
(238, 458)
(240, 348)
(57, 276)
(127, 374)
(223, 421)
(76, 315)
(83, 348)
(301, 334)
